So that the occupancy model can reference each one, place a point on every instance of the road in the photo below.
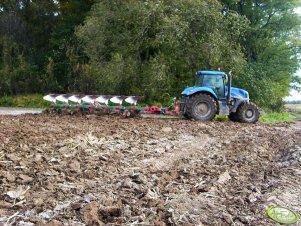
(18, 111)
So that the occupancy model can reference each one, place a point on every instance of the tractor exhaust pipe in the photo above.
(229, 87)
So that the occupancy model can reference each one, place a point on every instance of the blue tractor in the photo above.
(213, 94)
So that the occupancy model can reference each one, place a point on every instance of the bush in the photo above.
(27, 101)
(276, 117)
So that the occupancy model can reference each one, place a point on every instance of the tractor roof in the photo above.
(210, 73)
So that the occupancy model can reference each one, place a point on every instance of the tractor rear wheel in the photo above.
(248, 113)
(202, 107)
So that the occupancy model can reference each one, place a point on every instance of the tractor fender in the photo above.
(193, 90)
(238, 102)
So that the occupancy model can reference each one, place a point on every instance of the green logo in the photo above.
(282, 215)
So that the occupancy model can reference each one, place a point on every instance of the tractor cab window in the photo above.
(216, 83)
(208, 80)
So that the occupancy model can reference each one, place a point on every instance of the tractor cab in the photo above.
(214, 80)
(213, 94)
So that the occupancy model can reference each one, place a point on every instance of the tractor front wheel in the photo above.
(202, 107)
(248, 113)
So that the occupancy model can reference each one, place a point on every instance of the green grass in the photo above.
(269, 117)
(221, 118)
(276, 117)
(26, 101)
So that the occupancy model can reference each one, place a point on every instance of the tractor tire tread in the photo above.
(241, 112)
(197, 97)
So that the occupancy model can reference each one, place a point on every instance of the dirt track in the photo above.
(107, 170)
(18, 111)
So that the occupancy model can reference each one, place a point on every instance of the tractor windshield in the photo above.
(215, 82)
(198, 80)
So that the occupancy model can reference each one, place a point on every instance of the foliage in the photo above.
(37, 44)
(66, 58)
(221, 118)
(276, 117)
(149, 48)
(153, 48)
(268, 117)
(28, 101)
(17, 76)
(24, 32)
(271, 46)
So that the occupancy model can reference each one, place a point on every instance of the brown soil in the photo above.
(106, 170)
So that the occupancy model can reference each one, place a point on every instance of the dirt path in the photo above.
(107, 170)
(18, 111)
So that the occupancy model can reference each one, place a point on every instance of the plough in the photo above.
(124, 105)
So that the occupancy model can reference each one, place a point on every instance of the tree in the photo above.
(42, 34)
(16, 74)
(24, 34)
(66, 56)
(40, 17)
(153, 48)
(271, 46)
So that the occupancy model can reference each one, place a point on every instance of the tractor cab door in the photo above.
(215, 82)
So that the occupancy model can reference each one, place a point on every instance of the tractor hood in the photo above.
(238, 93)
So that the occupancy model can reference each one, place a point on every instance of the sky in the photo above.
(294, 95)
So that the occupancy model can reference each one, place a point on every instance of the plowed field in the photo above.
(106, 170)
